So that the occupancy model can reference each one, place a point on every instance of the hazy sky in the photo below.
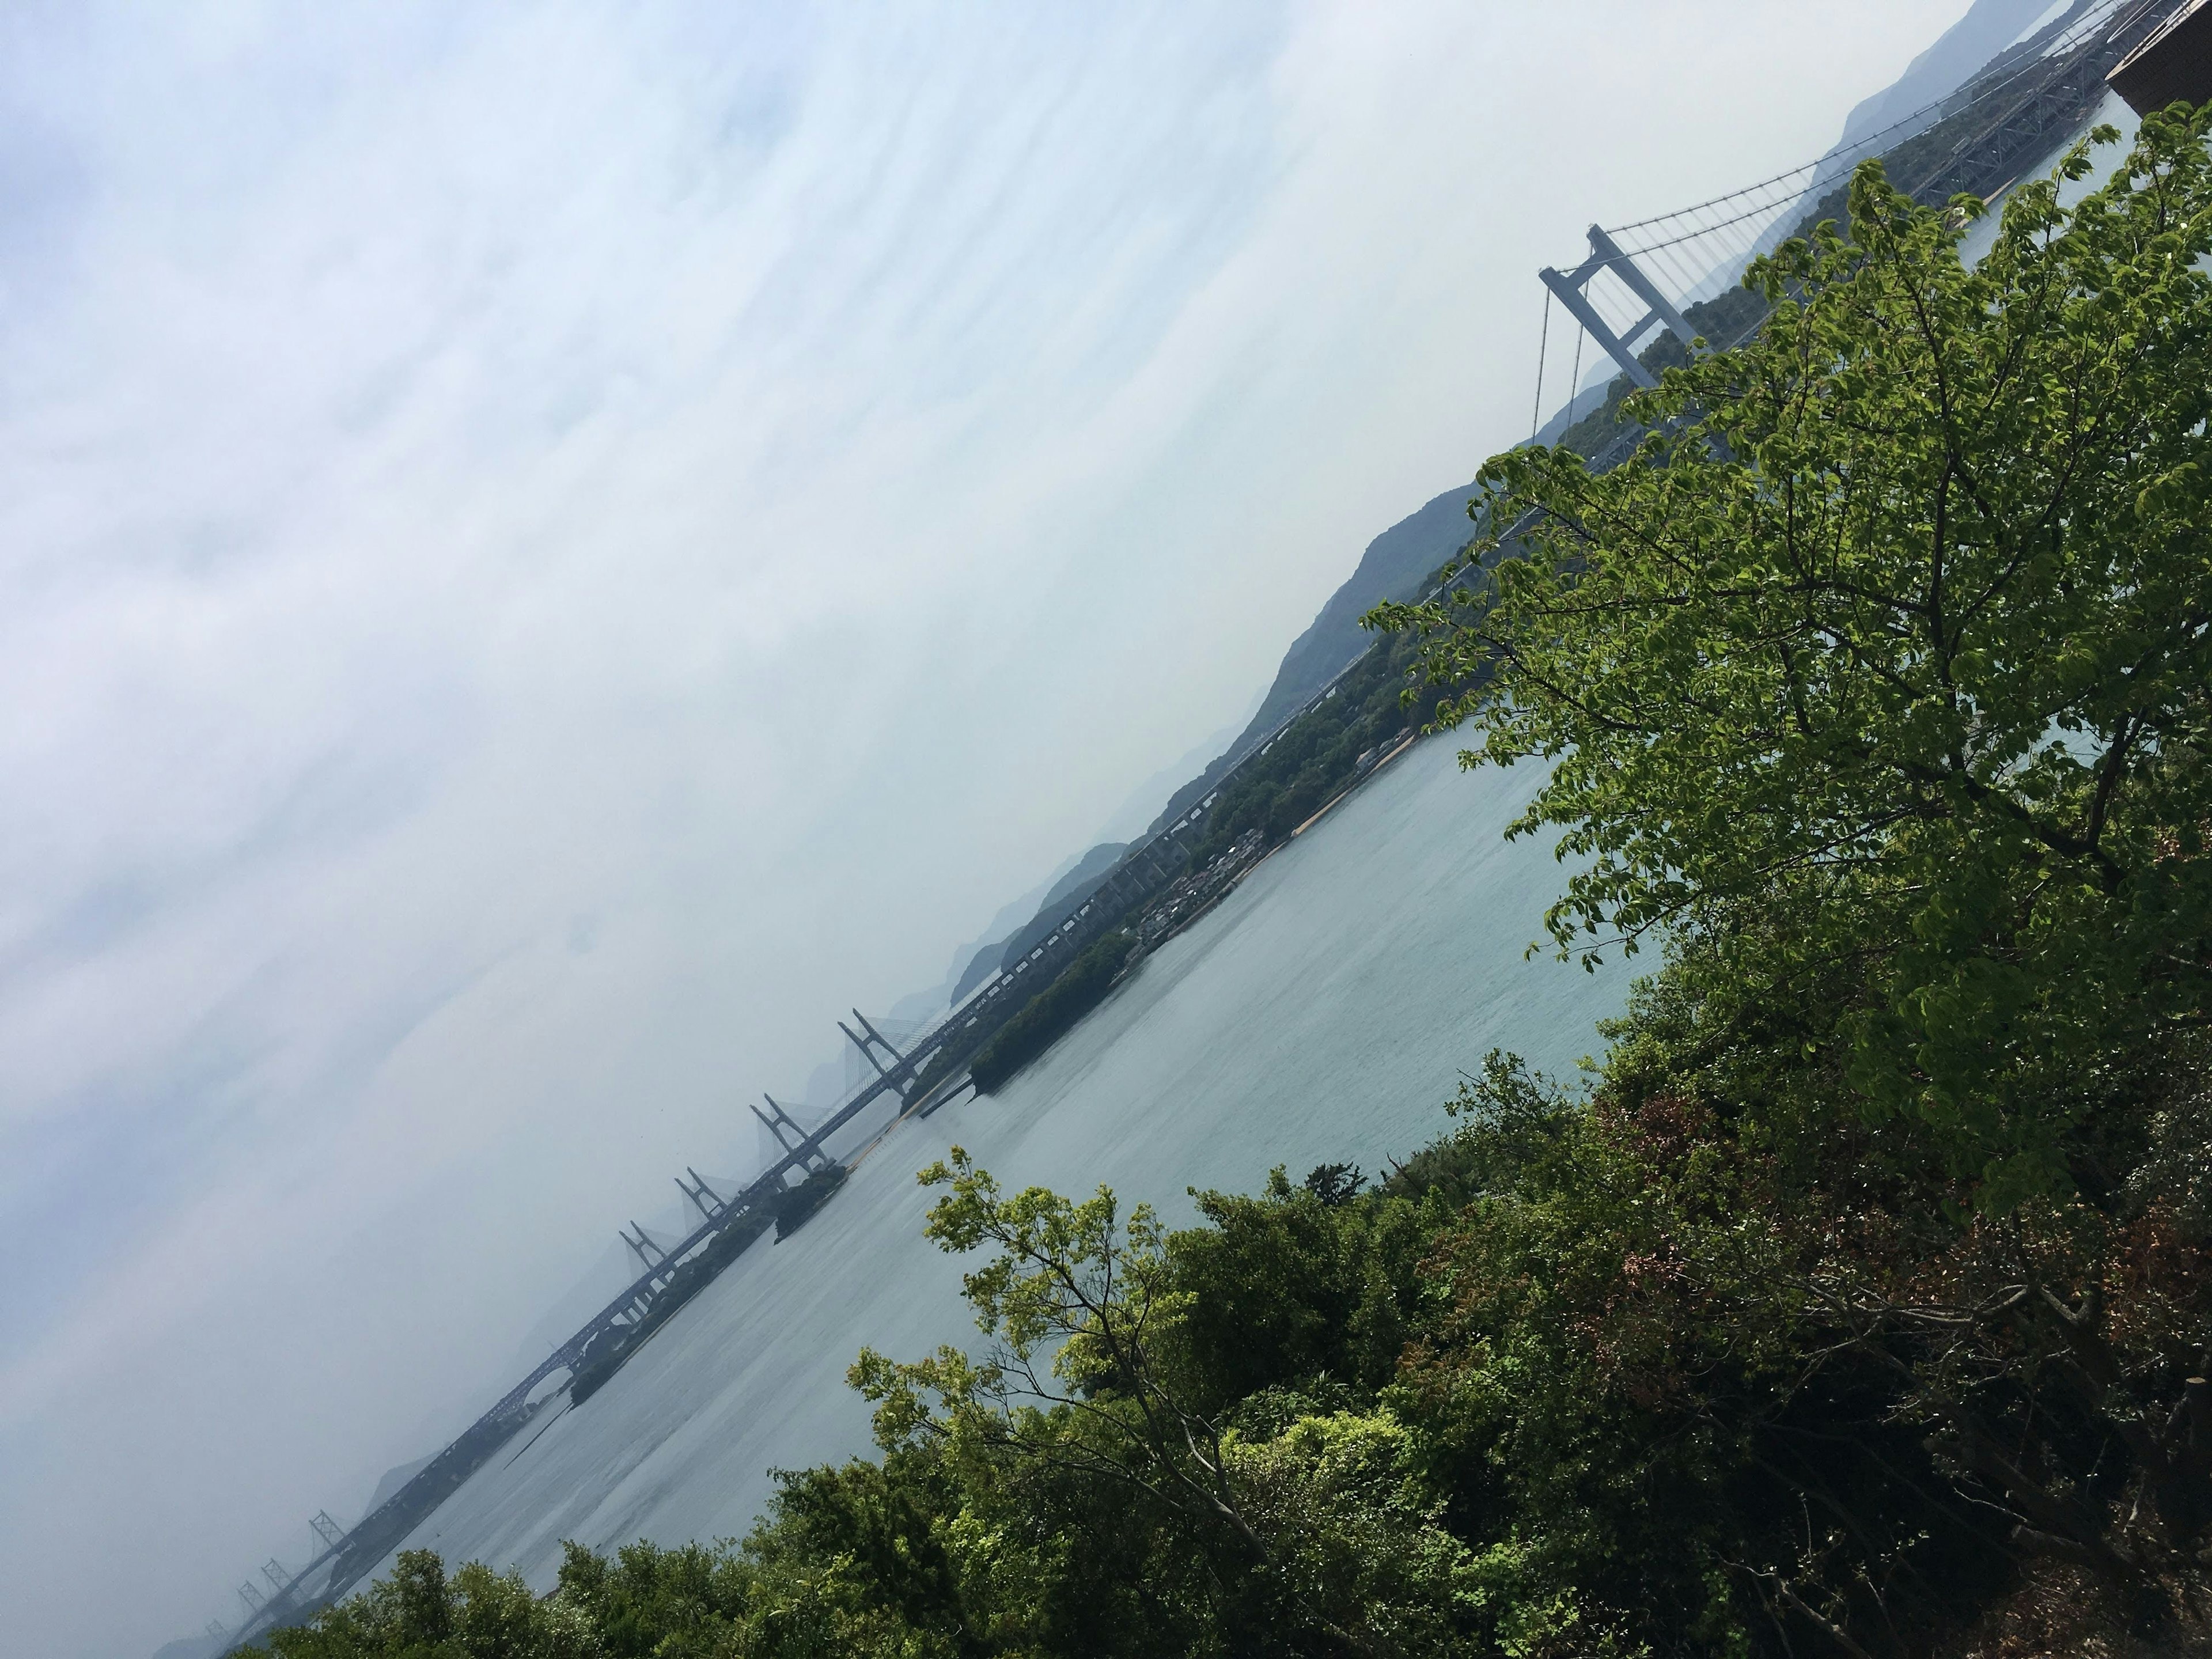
(546, 551)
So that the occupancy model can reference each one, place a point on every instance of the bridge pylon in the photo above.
(709, 1203)
(328, 1530)
(650, 1256)
(788, 1134)
(902, 1087)
(1569, 286)
(254, 1600)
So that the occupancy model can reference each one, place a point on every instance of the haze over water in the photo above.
(1323, 1013)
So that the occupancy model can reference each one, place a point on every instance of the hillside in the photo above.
(1397, 565)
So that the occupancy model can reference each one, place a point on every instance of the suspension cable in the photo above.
(1543, 345)
(2071, 38)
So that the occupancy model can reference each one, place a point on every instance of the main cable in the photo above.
(2070, 39)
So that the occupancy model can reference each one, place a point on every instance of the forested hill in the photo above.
(1397, 565)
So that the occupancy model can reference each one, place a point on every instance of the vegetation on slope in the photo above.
(1861, 1302)
(1319, 754)
(1049, 1014)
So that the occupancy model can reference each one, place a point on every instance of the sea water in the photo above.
(1323, 1013)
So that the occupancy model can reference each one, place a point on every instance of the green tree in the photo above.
(1315, 1538)
(1077, 1299)
(1898, 626)
(419, 1613)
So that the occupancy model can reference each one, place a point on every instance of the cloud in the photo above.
(545, 552)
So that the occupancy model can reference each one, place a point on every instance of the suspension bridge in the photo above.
(1644, 277)
(1640, 280)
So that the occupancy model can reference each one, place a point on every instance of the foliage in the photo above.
(795, 1206)
(1897, 627)
(1048, 1015)
(1317, 756)
(418, 1612)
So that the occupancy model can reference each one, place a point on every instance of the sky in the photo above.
(545, 552)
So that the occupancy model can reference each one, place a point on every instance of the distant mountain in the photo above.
(1398, 564)
(1069, 892)
(394, 1478)
(1960, 51)
(975, 960)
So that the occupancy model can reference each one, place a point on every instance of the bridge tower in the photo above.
(710, 1203)
(902, 1086)
(254, 1600)
(273, 1570)
(328, 1530)
(789, 1135)
(1568, 286)
(651, 1258)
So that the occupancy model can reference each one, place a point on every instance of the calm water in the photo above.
(1321, 1014)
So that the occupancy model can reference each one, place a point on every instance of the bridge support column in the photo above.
(796, 1143)
(1567, 287)
(902, 1087)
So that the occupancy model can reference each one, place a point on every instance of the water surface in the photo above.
(1321, 1014)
